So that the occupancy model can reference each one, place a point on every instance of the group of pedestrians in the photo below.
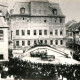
(33, 70)
(38, 54)
(70, 72)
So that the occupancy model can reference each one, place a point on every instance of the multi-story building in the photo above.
(74, 36)
(3, 33)
(37, 23)
(3, 40)
(69, 33)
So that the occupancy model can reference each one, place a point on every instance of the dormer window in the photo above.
(54, 11)
(22, 10)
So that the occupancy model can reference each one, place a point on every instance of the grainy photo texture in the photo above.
(39, 40)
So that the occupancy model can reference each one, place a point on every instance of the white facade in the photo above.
(37, 23)
(3, 40)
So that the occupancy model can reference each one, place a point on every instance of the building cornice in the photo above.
(36, 16)
(4, 27)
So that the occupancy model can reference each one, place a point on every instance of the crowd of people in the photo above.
(38, 54)
(71, 72)
(29, 70)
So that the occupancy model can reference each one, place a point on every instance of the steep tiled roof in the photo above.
(19, 5)
(56, 6)
(68, 24)
(74, 27)
(27, 6)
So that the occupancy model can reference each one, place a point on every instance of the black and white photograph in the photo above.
(39, 39)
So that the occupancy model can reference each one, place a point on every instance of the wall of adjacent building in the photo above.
(4, 44)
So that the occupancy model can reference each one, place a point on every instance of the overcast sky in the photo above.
(70, 8)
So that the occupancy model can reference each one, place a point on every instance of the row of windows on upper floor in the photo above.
(41, 42)
(41, 20)
(40, 32)
(54, 11)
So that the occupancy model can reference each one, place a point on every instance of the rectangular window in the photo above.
(45, 41)
(56, 32)
(35, 42)
(56, 42)
(41, 41)
(28, 32)
(60, 20)
(45, 21)
(71, 34)
(39, 11)
(17, 32)
(1, 33)
(45, 32)
(23, 32)
(23, 18)
(29, 42)
(61, 32)
(34, 32)
(51, 33)
(51, 42)
(61, 42)
(17, 43)
(1, 56)
(23, 43)
(55, 20)
(40, 32)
